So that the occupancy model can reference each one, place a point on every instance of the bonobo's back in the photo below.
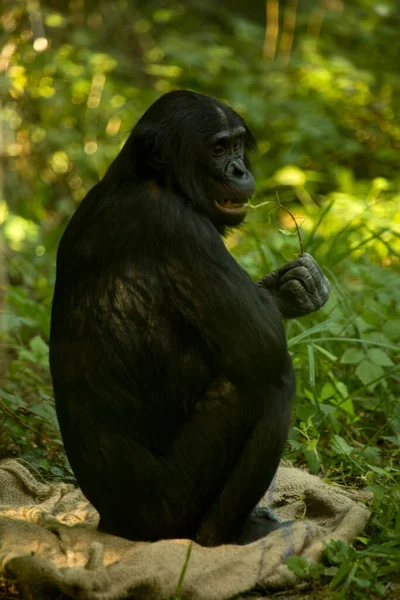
(171, 374)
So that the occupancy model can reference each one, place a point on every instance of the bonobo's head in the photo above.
(198, 146)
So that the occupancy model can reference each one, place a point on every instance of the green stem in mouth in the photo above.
(278, 204)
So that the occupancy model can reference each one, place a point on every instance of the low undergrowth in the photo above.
(346, 420)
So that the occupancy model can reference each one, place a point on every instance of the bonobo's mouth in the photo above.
(231, 206)
(234, 211)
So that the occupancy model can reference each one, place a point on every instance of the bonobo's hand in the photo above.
(299, 287)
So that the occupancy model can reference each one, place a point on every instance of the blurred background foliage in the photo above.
(319, 83)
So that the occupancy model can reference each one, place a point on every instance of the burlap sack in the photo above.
(49, 543)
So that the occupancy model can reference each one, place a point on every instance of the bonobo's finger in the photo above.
(324, 288)
(322, 283)
(295, 301)
(305, 260)
(294, 290)
(312, 265)
(303, 275)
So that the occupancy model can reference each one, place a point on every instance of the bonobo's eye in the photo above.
(218, 150)
(237, 145)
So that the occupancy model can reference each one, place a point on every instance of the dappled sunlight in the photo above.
(3, 211)
(19, 231)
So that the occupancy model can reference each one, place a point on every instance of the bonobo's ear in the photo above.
(148, 148)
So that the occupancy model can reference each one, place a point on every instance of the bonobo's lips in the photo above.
(232, 210)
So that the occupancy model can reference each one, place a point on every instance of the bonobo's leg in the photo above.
(143, 496)
(233, 516)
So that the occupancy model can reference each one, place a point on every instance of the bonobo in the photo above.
(171, 373)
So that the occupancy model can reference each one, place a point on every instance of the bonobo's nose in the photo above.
(236, 168)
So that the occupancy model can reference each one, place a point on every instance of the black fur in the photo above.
(172, 378)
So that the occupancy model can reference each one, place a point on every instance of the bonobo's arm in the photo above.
(299, 287)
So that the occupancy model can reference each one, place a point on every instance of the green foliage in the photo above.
(353, 573)
(323, 101)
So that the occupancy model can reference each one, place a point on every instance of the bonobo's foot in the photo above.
(105, 525)
(260, 522)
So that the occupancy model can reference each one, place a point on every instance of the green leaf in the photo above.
(378, 470)
(298, 565)
(347, 406)
(352, 356)
(379, 357)
(340, 446)
(45, 411)
(342, 389)
(39, 349)
(313, 460)
(328, 391)
(392, 329)
(327, 409)
(13, 399)
(27, 355)
(368, 372)
(305, 411)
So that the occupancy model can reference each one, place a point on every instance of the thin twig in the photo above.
(295, 223)
(278, 204)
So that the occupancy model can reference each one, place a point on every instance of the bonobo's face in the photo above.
(198, 146)
(230, 184)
